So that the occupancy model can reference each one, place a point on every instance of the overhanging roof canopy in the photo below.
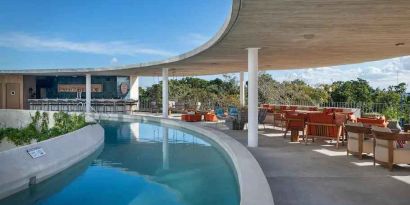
(291, 34)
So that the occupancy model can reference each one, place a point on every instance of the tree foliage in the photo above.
(191, 90)
(225, 92)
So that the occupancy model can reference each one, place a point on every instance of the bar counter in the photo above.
(78, 105)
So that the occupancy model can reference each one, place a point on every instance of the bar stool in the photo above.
(46, 105)
(64, 105)
(100, 106)
(109, 105)
(121, 105)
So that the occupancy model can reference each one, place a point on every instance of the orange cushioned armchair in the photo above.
(191, 117)
(321, 125)
(210, 117)
(295, 122)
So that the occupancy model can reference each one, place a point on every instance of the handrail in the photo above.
(81, 104)
(96, 112)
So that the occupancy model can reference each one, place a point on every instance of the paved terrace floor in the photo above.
(318, 173)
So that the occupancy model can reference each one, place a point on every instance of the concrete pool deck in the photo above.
(319, 173)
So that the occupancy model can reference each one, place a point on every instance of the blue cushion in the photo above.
(233, 111)
(219, 111)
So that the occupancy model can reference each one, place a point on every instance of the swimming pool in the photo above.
(143, 163)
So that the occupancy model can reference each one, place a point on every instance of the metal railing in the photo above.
(149, 106)
(155, 107)
(365, 108)
(78, 105)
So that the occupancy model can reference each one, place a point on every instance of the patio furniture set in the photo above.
(388, 147)
(196, 116)
(233, 117)
(365, 136)
(312, 122)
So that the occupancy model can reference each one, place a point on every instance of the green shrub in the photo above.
(38, 128)
(392, 113)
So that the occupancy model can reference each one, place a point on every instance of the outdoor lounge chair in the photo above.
(295, 123)
(323, 126)
(154, 107)
(179, 107)
(360, 139)
(387, 150)
(279, 120)
(220, 115)
(219, 112)
(232, 111)
(237, 122)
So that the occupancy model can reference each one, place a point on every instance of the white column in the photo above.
(241, 89)
(253, 97)
(88, 92)
(134, 90)
(165, 92)
(165, 150)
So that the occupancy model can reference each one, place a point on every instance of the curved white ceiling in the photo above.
(291, 34)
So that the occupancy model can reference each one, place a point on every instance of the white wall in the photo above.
(17, 166)
(21, 118)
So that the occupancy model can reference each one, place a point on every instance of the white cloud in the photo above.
(114, 60)
(379, 73)
(25, 41)
(194, 39)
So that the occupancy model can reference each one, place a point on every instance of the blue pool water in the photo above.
(142, 163)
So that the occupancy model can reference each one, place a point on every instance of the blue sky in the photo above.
(76, 33)
(95, 33)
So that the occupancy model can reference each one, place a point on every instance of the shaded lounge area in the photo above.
(319, 173)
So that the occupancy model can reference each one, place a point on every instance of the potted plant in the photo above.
(392, 115)
(238, 122)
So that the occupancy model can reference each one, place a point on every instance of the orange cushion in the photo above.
(340, 118)
(300, 122)
(328, 110)
(197, 117)
(338, 110)
(372, 121)
(210, 117)
(293, 107)
(189, 118)
(323, 119)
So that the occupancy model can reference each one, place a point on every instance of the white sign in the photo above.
(36, 152)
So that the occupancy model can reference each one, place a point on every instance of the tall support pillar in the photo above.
(165, 92)
(253, 97)
(241, 89)
(88, 93)
(165, 148)
(134, 91)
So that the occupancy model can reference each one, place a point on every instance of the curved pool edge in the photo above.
(62, 152)
(253, 185)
